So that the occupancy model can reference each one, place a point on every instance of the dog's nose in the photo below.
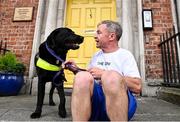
(81, 38)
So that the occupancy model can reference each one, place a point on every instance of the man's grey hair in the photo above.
(113, 26)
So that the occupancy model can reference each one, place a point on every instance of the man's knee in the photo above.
(112, 81)
(111, 75)
(83, 79)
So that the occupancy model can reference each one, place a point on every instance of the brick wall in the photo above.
(18, 35)
(162, 21)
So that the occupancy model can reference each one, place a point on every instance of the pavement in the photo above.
(19, 108)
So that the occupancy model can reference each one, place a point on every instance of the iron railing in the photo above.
(170, 50)
(3, 47)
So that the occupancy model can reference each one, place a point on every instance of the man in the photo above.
(104, 91)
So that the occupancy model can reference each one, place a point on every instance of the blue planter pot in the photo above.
(10, 84)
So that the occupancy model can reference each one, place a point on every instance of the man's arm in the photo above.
(134, 84)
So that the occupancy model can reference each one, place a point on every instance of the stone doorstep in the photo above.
(169, 94)
(27, 86)
(149, 88)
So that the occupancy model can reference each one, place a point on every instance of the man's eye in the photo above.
(98, 32)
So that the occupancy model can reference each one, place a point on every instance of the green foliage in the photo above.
(9, 64)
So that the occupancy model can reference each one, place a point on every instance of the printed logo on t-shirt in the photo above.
(104, 63)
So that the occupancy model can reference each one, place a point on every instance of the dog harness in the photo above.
(47, 66)
(55, 79)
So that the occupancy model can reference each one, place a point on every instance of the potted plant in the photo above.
(11, 75)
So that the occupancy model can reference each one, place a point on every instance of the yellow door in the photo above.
(82, 17)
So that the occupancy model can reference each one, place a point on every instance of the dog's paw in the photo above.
(35, 115)
(52, 103)
(62, 113)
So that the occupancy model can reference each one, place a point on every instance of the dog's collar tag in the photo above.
(57, 61)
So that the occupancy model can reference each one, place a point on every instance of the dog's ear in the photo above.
(58, 36)
(51, 38)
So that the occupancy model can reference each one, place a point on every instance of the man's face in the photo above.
(102, 36)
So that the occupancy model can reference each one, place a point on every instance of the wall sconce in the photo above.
(147, 19)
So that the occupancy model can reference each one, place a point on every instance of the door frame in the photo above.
(122, 14)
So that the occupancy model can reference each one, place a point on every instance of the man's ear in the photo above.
(112, 36)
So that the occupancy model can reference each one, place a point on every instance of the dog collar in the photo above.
(47, 66)
(53, 53)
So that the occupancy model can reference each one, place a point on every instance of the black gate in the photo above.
(170, 49)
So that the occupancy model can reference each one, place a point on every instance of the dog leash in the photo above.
(56, 82)
(54, 54)
(74, 70)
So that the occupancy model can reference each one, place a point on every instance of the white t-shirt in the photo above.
(121, 61)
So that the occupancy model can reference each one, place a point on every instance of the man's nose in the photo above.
(95, 36)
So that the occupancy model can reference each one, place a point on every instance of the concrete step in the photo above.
(169, 94)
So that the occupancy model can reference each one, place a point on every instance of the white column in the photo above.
(178, 12)
(37, 36)
(175, 23)
(36, 43)
(174, 14)
(178, 9)
(129, 40)
(141, 40)
(141, 46)
(126, 25)
(61, 13)
(51, 17)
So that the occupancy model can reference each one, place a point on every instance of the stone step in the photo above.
(169, 94)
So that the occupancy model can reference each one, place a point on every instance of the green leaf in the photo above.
(9, 63)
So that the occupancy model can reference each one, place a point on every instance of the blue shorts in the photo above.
(98, 111)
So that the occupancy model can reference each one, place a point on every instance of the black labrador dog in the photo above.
(48, 61)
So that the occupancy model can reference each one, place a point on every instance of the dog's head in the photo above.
(63, 39)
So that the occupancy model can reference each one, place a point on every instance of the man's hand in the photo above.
(70, 62)
(71, 65)
(96, 72)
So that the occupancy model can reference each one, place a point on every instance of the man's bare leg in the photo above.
(116, 96)
(81, 96)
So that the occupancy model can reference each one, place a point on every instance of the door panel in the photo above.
(82, 17)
